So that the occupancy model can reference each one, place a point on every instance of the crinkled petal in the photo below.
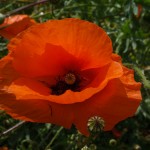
(53, 62)
(116, 57)
(77, 37)
(132, 87)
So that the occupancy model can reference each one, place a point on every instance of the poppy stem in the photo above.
(53, 139)
(25, 7)
(12, 128)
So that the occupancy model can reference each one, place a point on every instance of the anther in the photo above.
(70, 78)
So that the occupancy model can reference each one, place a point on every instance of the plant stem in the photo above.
(12, 128)
(53, 139)
(25, 7)
(7, 6)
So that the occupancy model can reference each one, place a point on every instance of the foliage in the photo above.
(129, 29)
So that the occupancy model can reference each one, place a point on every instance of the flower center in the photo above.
(70, 78)
(68, 81)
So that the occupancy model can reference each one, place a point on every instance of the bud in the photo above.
(96, 124)
(136, 147)
(112, 142)
(85, 148)
(2, 18)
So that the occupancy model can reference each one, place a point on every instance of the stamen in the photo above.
(70, 78)
(69, 81)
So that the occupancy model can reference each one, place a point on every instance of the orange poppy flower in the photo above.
(14, 25)
(64, 72)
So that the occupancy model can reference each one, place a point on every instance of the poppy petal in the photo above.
(7, 72)
(116, 57)
(79, 38)
(37, 110)
(32, 110)
(52, 62)
(14, 25)
(132, 87)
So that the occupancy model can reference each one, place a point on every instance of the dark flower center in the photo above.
(70, 78)
(68, 81)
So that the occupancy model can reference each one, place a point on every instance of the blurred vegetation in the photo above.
(127, 22)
